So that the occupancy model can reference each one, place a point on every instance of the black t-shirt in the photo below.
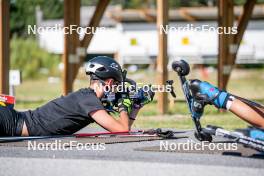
(64, 115)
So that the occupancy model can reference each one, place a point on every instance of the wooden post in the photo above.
(94, 22)
(66, 68)
(76, 39)
(229, 44)
(241, 27)
(4, 46)
(225, 20)
(162, 60)
(73, 61)
(71, 42)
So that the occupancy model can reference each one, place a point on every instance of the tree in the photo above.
(22, 13)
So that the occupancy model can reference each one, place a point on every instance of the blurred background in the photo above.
(131, 37)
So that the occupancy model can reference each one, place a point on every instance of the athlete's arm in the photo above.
(110, 123)
(245, 109)
(250, 113)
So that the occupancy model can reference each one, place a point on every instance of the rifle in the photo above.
(131, 90)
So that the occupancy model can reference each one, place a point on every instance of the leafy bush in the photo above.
(23, 13)
(32, 60)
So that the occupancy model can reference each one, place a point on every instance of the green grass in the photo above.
(225, 120)
(245, 83)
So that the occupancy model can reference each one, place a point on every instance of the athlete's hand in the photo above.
(148, 97)
(124, 104)
(208, 93)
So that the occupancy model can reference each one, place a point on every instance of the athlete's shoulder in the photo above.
(86, 91)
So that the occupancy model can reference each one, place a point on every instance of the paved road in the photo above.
(23, 166)
(123, 159)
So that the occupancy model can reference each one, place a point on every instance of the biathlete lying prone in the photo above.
(68, 114)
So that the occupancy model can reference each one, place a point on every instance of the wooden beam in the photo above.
(162, 60)
(71, 42)
(186, 15)
(66, 65)
(234, 41)
(97, 16)
(4, 46)
(225, 20)
(241, 27)
(243, 20)
(94, 22)
(149, 18)
(76, 38)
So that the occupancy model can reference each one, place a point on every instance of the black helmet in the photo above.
(104, 67)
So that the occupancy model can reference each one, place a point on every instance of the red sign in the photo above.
(7, 99)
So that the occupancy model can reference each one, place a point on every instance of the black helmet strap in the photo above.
(94, 77)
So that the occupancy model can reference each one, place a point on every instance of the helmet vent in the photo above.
(101, 69)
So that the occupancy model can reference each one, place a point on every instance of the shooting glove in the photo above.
(124, 104)
(147, 97)
(209, 94)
